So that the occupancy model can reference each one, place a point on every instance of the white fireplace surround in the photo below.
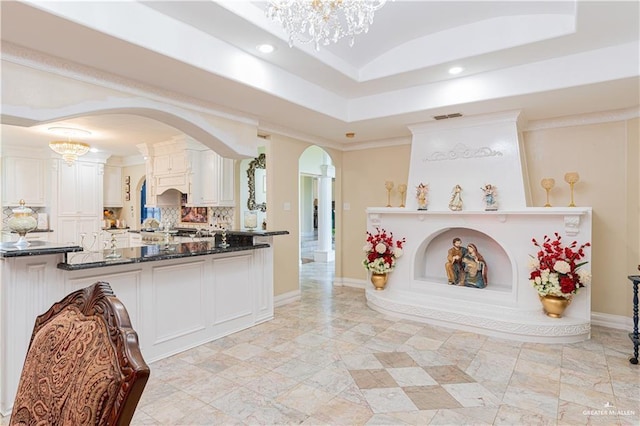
(509, 306)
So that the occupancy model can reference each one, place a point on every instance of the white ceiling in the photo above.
(546, 58)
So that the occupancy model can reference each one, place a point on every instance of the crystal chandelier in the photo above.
(323, 21)
(70, 150)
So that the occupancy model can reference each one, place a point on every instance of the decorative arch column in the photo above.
(325, 252)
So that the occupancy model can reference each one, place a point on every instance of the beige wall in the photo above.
(283, 154)
(363, 176)
(600, 153)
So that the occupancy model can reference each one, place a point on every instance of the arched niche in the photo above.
(431, 256)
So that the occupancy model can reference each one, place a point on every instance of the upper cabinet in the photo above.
(227, 182)
(23, 179)
(187, 166)
(79, 189)
(214, 186)
(113, 186)
(172, 163)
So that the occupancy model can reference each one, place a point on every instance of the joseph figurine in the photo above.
(454, 266)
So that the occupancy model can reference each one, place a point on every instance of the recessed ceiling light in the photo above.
(265, 48)
(455, 70)
(69, 131)
(94, 150)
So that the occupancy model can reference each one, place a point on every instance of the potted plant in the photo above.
(381, 253)
(556, 273)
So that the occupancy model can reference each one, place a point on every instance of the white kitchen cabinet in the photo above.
(83, 231)
(120, 237)
(215, 183)
(190, 168)
(79, 189)
(227, 182)
(78, 207)
(135, 239)
(208, 179)
(173, 163)
(23, 179)
(112, 186)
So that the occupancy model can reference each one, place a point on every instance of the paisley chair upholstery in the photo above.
(83, 366)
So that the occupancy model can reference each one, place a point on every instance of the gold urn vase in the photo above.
(554, 306)
(21, 222)
(379, 281)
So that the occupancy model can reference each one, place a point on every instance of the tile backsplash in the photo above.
(216, 216)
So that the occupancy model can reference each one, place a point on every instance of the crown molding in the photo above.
(39, 61)
(382, 143)
(584, 119)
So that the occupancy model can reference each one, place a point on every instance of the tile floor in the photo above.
(330, 360)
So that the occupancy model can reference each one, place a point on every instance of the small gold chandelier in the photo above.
(323, 21)
(69, 150)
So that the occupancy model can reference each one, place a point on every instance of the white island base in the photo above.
(174, 304)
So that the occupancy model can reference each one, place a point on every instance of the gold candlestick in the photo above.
(571, 178)
(548, 184)
(402, 188)
(389, 185)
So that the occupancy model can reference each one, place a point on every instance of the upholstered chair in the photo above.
(83, 366)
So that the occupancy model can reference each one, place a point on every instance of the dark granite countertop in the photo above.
(34, 231)
(243, 232)
(150, 253)
(36, 248)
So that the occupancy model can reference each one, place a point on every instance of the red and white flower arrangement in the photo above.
(382, 251)
(556, 270)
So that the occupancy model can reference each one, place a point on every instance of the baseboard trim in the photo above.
(612, 321)
(618, 322)
(349, 282)
(286, 298)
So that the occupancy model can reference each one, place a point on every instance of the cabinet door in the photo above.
(170, 163)
(209, 177)
(84, 231)
(67, 191)
(89, 191)
(78, 190)
(227, 182)
(112, 186)
(23, 178)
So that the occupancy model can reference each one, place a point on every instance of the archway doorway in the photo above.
(316, 206)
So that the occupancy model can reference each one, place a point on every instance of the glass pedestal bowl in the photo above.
(22, 222)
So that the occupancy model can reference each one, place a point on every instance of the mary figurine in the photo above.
(475, 268)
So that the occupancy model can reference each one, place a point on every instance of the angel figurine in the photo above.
(456, 199)
(422, 191)
(490, 197)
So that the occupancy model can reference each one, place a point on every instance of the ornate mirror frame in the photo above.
(256, 163)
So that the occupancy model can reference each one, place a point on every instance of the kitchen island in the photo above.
(178, 295)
